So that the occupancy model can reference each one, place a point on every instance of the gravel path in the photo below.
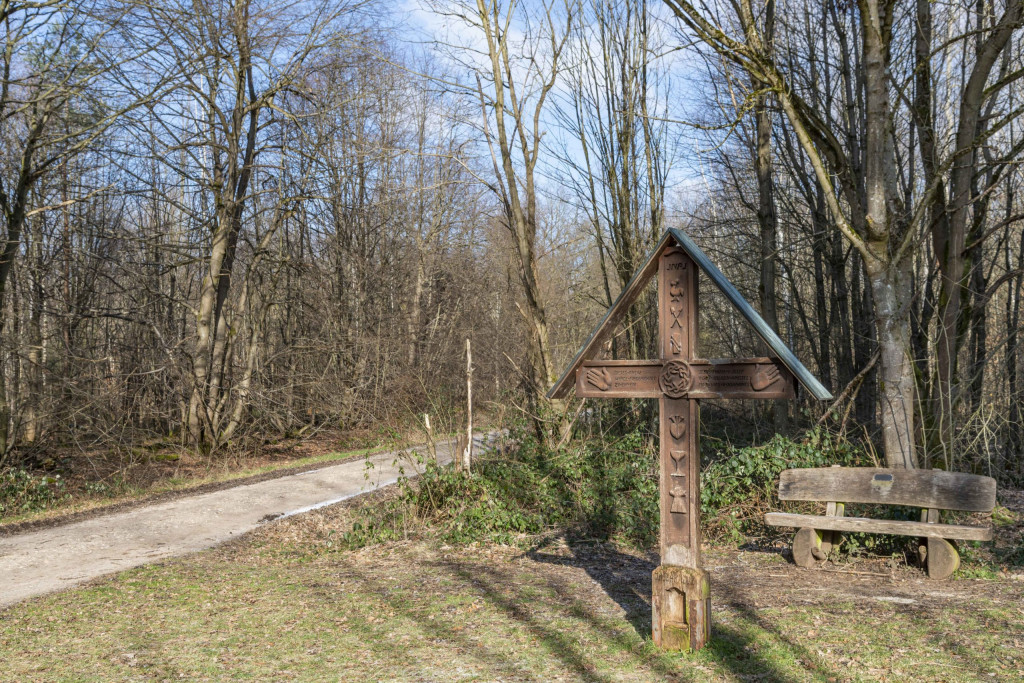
(61, 557)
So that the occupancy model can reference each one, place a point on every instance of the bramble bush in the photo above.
(740, 484)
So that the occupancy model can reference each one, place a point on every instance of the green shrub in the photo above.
(21, 491)
(741, 484)
(600, 489)
(597, 489)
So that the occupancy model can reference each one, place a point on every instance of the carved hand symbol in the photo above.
(765, 377)
(602, 379)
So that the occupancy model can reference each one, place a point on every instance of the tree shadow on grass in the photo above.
(500, 663)
(626, 579)
(566, 646)
(750, 646)
(556, 621)
(494, 586)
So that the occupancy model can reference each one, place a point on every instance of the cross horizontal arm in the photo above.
(757, 378)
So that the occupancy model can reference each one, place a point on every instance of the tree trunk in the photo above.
(891, 290)
(950, 235)
(767, 216)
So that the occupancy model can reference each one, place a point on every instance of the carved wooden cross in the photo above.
(679, 379)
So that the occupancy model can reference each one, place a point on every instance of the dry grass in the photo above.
(285, 604)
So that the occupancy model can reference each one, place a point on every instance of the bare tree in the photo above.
(520, 62)
(619, 149)
(58, 62)
(236, 60)
(880, 218)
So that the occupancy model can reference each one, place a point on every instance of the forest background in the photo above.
(233, 220)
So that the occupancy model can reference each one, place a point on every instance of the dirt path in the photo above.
(61, 557)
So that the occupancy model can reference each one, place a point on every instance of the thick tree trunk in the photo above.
(33, 370)
(198, 413)
(891, 291)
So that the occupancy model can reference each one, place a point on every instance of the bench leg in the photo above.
(938, 554)
(943, 558)
(929, 516)
(831, 539)
(807, 547)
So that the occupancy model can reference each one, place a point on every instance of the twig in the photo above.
(853, 571)
(850, 387)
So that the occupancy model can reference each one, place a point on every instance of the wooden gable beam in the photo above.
(763, 329)
(611, 319)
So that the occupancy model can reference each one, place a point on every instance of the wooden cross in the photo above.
(679, 379)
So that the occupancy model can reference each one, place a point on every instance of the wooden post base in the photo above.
(681, 608)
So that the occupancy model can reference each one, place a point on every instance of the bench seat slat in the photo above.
(881, 526)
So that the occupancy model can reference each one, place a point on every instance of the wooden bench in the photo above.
(931, 490)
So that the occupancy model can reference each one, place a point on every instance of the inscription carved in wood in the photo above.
(760, 378)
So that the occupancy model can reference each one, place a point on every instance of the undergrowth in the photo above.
(740, 485)
(603, 489)
(598, 489)
(22, 491)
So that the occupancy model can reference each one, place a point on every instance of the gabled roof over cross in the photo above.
(675, 236)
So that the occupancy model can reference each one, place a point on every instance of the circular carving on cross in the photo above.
(675, 379)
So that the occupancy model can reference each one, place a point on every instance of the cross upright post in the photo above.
(680, 599)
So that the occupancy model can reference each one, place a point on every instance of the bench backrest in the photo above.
(917, 488)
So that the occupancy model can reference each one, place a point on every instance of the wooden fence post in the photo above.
(467, 453)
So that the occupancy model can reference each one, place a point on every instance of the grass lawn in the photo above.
(284, 604)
